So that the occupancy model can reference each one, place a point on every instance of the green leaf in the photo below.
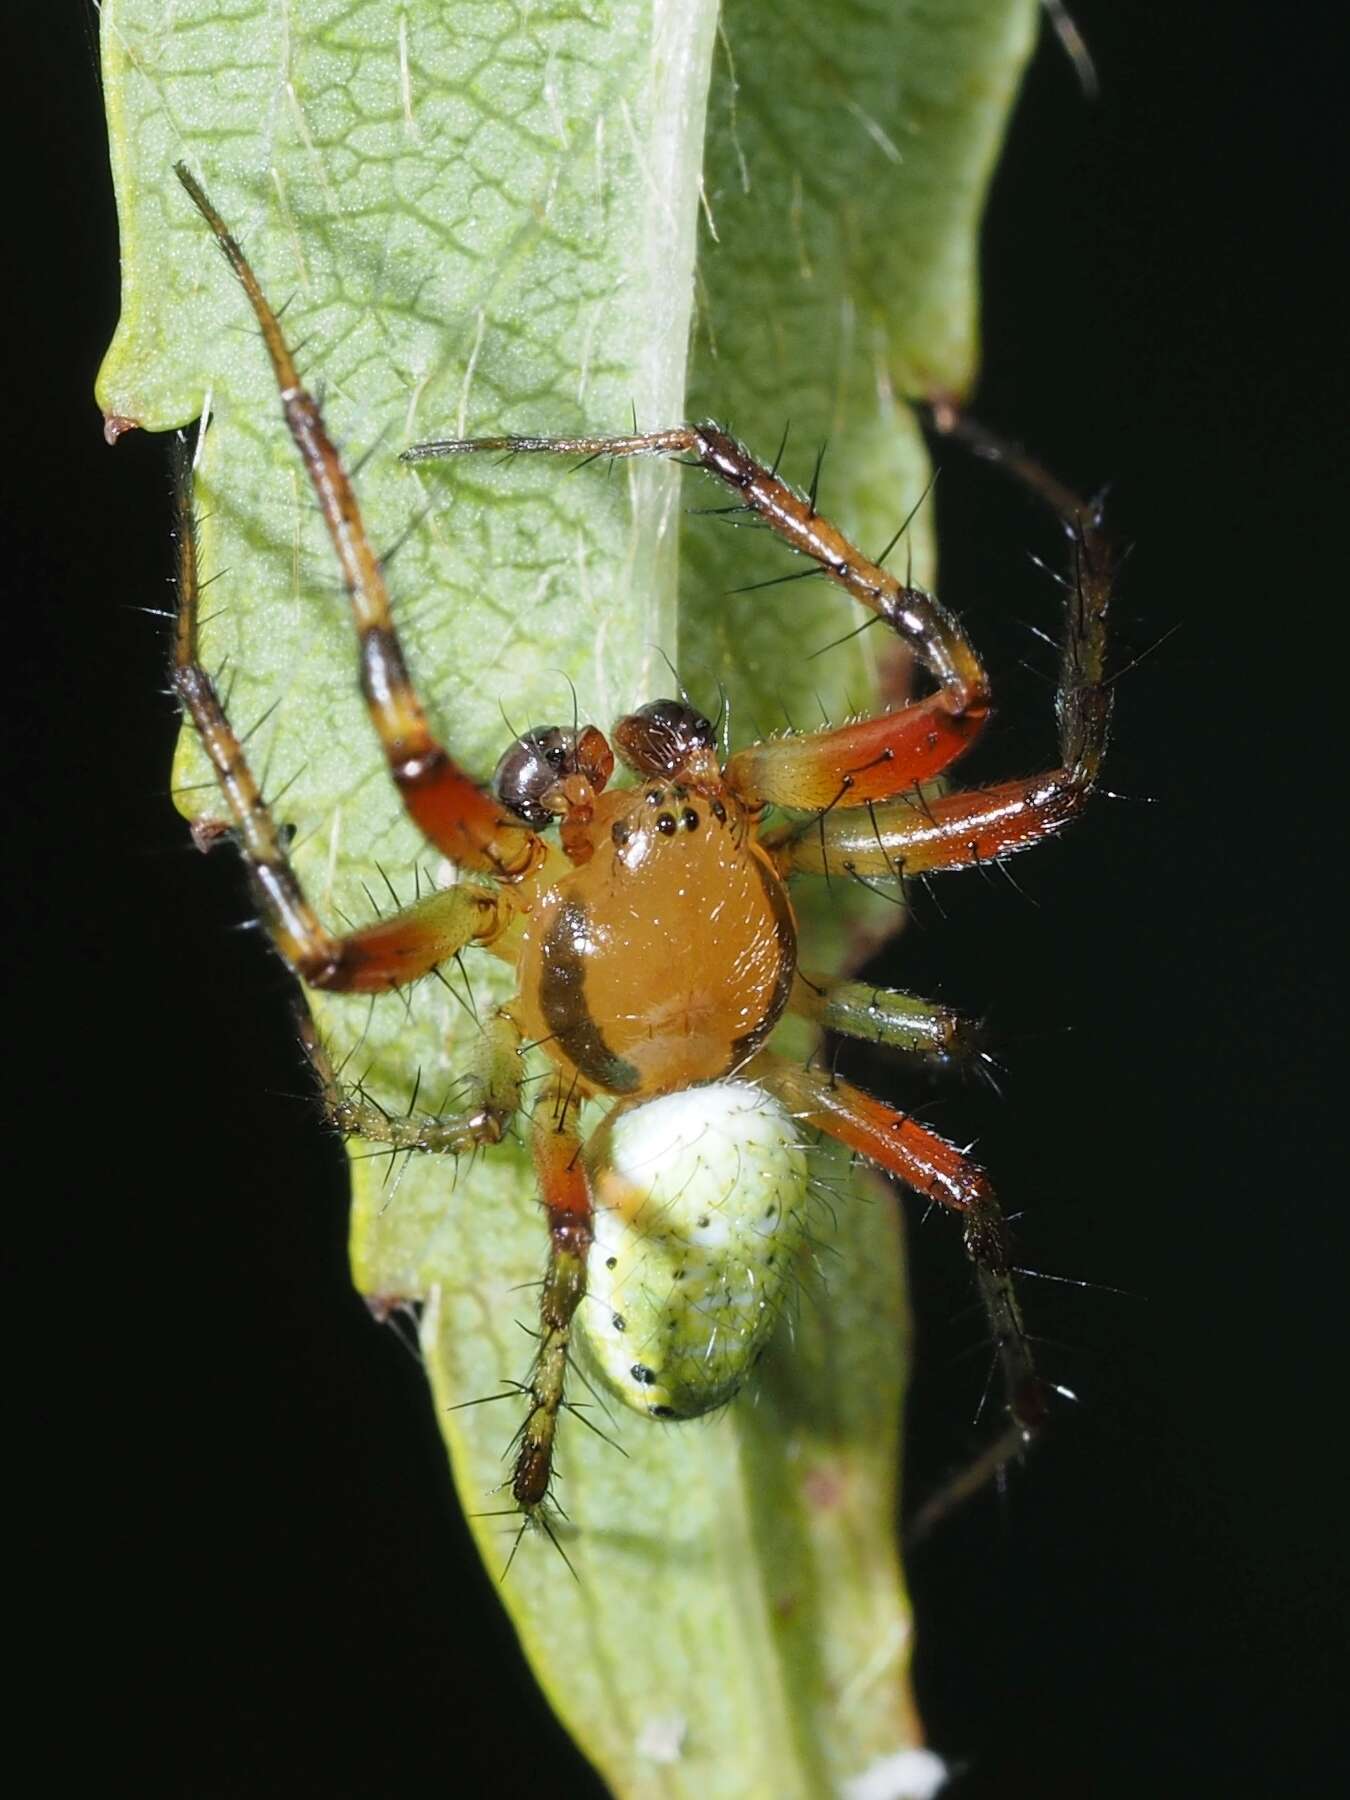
(484, 217)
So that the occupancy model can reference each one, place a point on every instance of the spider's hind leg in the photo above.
(909, 835)
(565, 1194)
(493, 1083)
(940, 1172)
(389, 954)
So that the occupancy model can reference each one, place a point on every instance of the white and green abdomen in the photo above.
(700, 1201)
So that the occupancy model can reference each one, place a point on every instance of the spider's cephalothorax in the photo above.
(653, 942)
(672, 861)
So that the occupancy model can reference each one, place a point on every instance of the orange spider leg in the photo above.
(915, 835)
(385, 955)
(852, 764)
(566, 1196)
(855, 764)
(940, 1172)
(450, 809)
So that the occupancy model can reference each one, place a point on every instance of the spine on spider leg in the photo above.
(565, 1193)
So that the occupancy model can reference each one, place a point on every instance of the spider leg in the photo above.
(494, 1081)
(938, 1171)
(852, 764)
(388, 954)
(905, 1022)
(566, 1196)
(463, 821)
(911, 836)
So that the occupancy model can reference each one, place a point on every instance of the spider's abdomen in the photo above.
(666, 959)
(700, 1212)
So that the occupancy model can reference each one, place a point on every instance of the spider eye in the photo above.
(660, 738)
(527, 778)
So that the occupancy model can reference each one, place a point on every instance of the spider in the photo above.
(654, 941)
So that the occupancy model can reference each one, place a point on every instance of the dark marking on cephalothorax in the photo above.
(562, 998)
(785, 930)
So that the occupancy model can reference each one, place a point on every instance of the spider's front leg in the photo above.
(850, 765)
(385, 955)
(452, 812)
(917, 835)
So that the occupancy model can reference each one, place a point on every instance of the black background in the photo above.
(250, 1575)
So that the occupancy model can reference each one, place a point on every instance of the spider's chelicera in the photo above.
(654, 942)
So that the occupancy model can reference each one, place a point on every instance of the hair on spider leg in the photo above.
(848, 636)
(374, 903)
(814, 488)
(364, 459)
(825, 722)
(419, 518)
(393, 891)
(906, 522)
(437, 973)
(782, 446)
(576, 1409)
(753, 587)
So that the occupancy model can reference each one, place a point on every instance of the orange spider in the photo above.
(655, 944)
